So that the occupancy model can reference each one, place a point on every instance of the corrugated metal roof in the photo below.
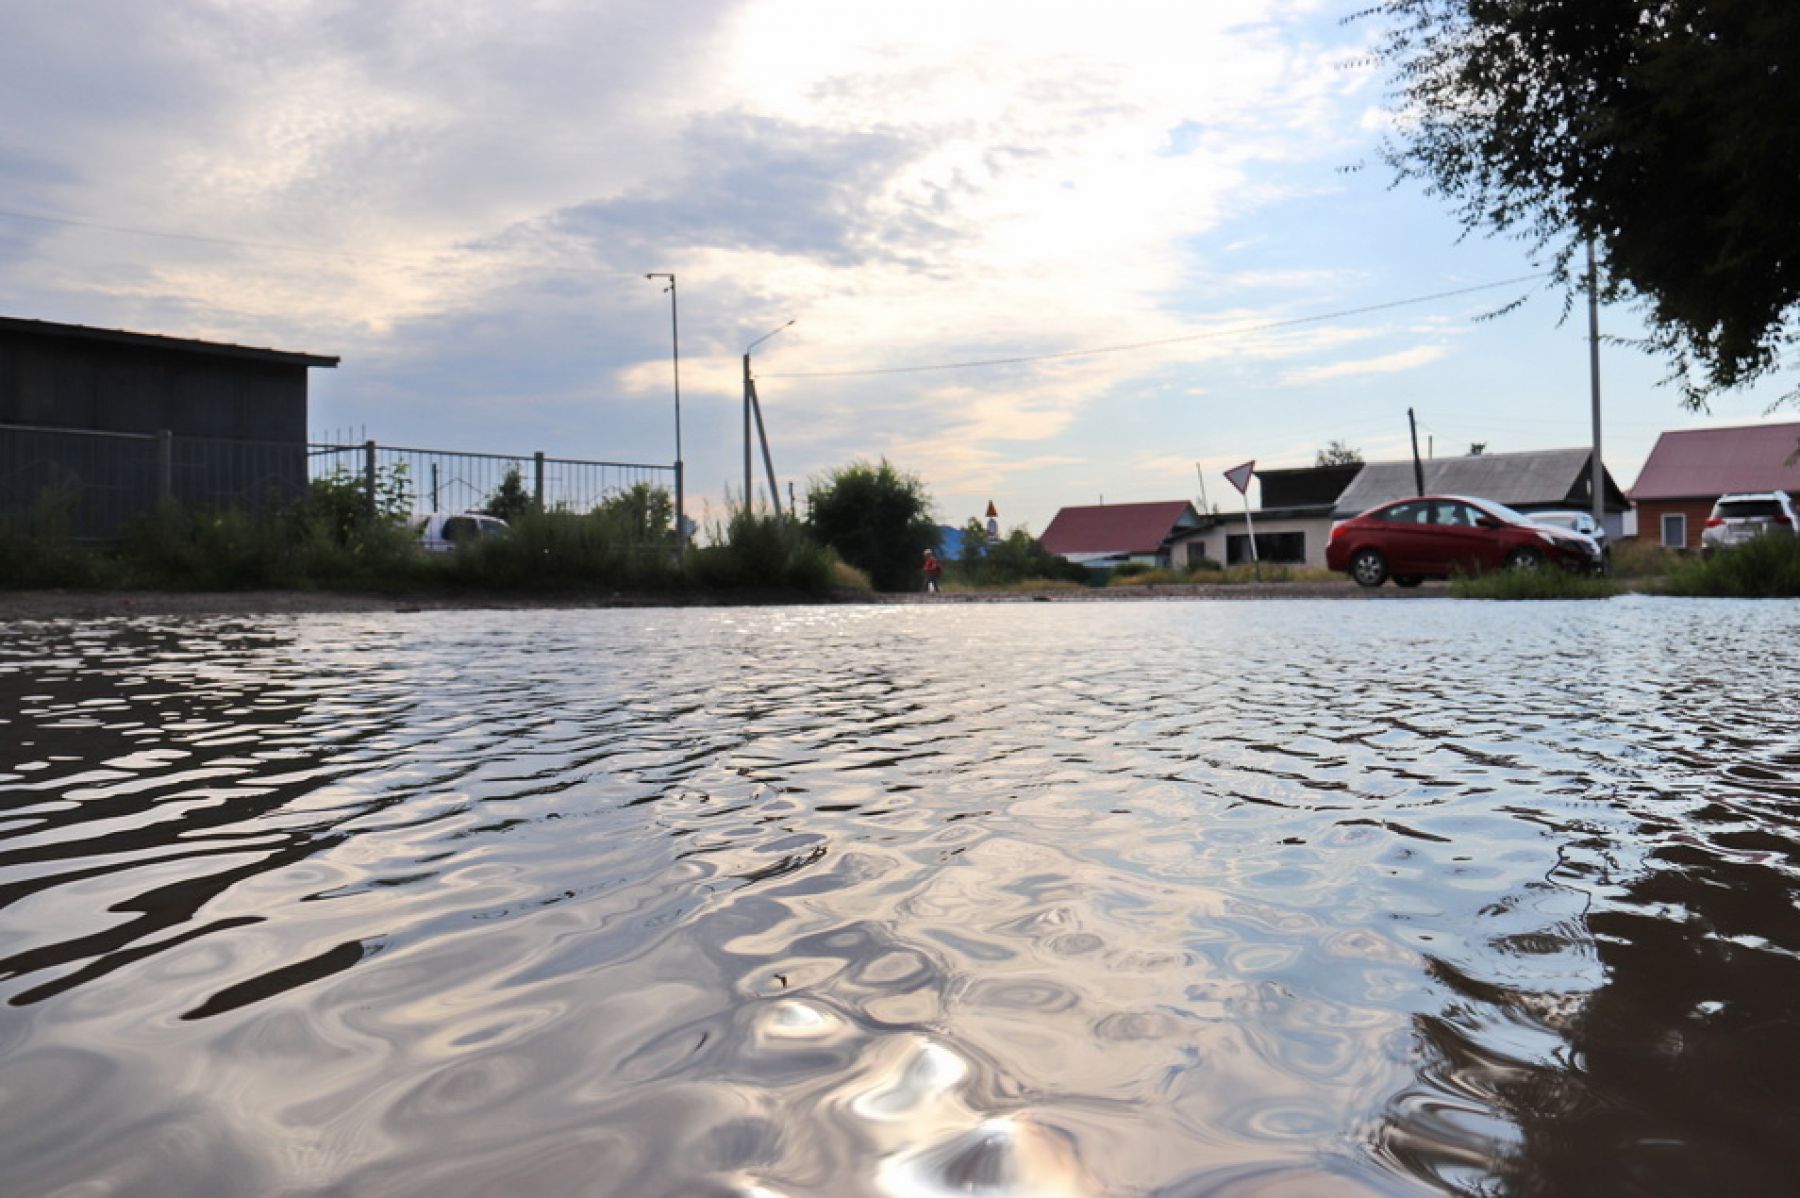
(1117, 527)
(1519, 479)
(50, 328)
(1702, 463)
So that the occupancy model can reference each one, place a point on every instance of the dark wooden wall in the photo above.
(83, 383)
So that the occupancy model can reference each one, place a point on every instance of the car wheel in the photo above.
(1408, 580)
(1368, 567)
(1524, 559)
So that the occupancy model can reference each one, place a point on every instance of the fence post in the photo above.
(369, 478)
(538, 465)
(165, 465)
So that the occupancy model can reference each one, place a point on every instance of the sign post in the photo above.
(993, 524)
(1239, 477)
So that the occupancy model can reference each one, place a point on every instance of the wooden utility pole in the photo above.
(1418, 468)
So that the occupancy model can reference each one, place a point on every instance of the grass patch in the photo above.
(1638, 558)
(1547, 583)
(1018, 586)
(1237, 575)
(1765, 568)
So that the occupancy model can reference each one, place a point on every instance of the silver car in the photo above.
(1742, 517)
(442, 532)
(1574, 521)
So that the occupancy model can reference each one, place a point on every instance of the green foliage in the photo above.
(643, 515)
(758, 552)
(877, 519)
(1018, 557)
(609, 548)
(1638, 558)
(1338, 454)
(1532, 584)
(1663, 133)
(1765, 568)
(510, 499)
(37, 549)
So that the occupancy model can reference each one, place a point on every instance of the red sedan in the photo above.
(1436, 535)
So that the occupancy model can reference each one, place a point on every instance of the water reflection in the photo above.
(1176, 898)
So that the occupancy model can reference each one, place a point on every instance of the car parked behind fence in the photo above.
(442, 532)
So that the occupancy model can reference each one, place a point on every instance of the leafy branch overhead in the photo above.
(1667, 131)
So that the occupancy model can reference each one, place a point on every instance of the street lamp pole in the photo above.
(675, 340)
(749, 404)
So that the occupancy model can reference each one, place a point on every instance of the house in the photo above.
(1688, 469)
(1107, 535)
(1292, 526)
(1536, 481)
(119, 420)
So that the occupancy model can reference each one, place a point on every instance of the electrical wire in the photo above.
(1235, 331)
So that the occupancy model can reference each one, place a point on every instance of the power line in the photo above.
(1122, 348)
(287, 248)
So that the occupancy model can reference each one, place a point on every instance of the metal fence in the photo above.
(95, 482)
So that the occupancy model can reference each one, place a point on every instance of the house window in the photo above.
(1674, 530)
(1270, 547)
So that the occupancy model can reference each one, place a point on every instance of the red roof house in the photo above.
(1690, 468)
(1110, 533)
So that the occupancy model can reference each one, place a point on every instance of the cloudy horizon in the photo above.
(462, 200)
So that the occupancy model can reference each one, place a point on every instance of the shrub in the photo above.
(1765, 568)
(37, 548)
(877, 519)
(1638, 558)
(762, 552)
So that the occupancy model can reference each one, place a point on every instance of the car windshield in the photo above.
(1502, 511)
(1739, 509)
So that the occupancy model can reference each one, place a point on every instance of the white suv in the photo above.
(442, 532)
(1739, 518)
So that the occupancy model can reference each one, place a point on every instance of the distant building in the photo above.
(1110, 534)
(120, 419)
(1689, 469)
(1536, 481)
(1292, 525)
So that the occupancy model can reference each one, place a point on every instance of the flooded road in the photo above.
(1156, 898)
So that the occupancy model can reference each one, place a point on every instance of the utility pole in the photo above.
(752, 407)
(675, 340)
(1418, 469)
(1597, 468)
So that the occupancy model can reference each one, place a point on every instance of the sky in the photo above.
(461, 201)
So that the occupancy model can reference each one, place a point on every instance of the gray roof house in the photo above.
(1540, 480)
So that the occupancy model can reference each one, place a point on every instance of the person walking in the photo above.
(934, 570)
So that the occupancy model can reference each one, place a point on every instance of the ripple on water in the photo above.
(1221, 898)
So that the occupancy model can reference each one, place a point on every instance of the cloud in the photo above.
(1394, 363)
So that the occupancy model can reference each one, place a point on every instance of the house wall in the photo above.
(85, 383)
(1650, 514)
(1211, 542)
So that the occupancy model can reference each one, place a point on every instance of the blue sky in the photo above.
(461, 199)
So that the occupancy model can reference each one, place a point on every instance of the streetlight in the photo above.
(675, 337)
(750, 405)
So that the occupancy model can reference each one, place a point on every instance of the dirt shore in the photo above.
(85, 605)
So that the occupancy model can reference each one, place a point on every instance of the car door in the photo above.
(1459, 541)
(1406, 536)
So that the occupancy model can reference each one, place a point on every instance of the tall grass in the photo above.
(1765, 568)
(1212, 575)
(1638, 558)
(321, 543)
(1544, 583)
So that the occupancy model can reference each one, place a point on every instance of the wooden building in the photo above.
(1688, 469)
(118, 420)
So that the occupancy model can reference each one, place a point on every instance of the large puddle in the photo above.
(1279, 898)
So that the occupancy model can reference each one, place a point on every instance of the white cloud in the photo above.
(1394, 363)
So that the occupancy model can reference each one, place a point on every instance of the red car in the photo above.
(1435, 535)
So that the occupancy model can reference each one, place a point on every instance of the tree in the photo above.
(643, 515)
(1662, 131)
(1338, 454)
(877, 518)
(510, 499)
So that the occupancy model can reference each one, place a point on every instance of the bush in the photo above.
(877, 519)
(1638, 558)
(38, 550)
(1765, 568)
(1017, 558)
(763, 552)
